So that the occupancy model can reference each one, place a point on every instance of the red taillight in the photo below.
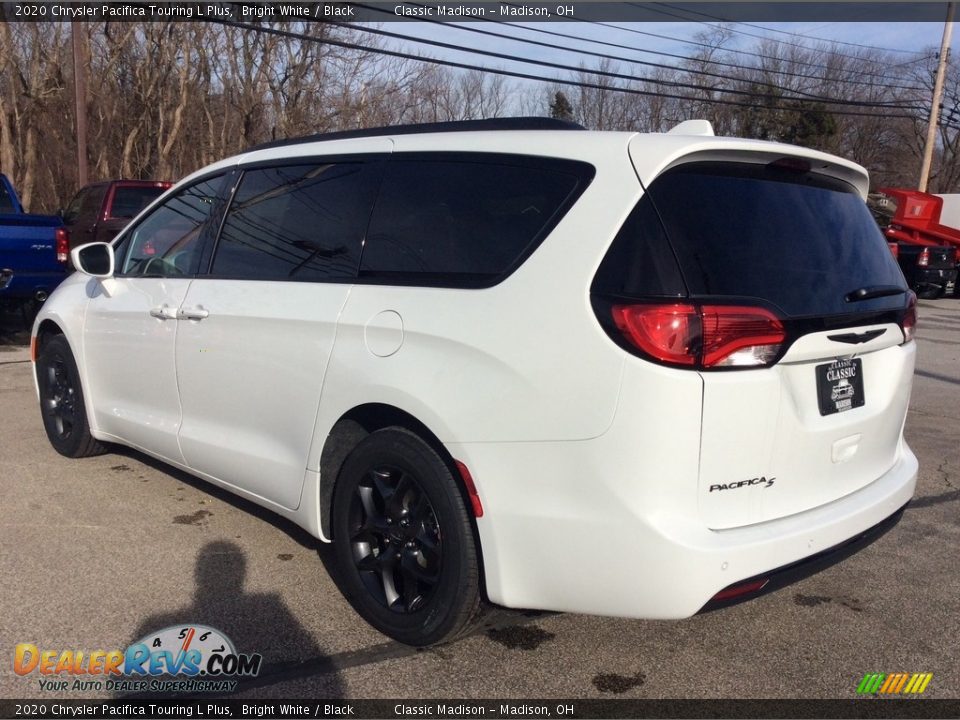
(670, 333)
(910, 317)
(894, 250)
(956, 255)
(704, 336)
(740, 336)
(62, 237)
(923, 259)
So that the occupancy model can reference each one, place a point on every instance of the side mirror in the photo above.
(95, 259)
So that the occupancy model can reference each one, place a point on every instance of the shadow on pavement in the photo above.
(15, 323)
(255, 622)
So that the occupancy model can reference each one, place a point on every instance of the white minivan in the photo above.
(510, 361)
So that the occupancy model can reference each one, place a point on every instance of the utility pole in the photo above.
(935, 104)
(78, 41)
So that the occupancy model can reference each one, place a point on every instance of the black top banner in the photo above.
(461, 709)
(452, 11)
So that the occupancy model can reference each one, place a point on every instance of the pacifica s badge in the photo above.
(763, 481)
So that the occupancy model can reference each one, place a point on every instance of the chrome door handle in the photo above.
(164, 312)
(195, 314)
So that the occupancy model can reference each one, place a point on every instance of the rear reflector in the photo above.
(703, 336)
(475, 504)
(736, 591)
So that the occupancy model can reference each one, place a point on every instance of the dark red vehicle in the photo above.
(100, 210)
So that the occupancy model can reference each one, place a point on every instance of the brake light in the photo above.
(704, 336)
(909, 324)
(62, 237)
(670, 333)
(923, 259)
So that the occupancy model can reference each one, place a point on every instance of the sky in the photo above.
(905, 38)
(902, 39)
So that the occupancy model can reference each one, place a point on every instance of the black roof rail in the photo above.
(506, 123)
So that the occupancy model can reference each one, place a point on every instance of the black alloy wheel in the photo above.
(395, 539)
(61, 401)
(404, 542)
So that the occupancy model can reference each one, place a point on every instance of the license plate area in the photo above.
(840, 386)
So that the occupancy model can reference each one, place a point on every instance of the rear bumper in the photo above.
(609, 544)
(780, 577)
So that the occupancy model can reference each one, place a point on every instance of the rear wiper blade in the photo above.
(875, 291)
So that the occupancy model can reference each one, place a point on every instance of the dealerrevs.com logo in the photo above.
(894, 683)
(191, 658)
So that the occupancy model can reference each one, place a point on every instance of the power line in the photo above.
(781, 32)
(471, 28)
(622, 76)
(526, 76)
(712, 47)
(719, 63)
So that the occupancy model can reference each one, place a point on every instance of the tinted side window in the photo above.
(169, 241)
(297, 222)
(465, 221)
(128, 200)
(640, 262)
(72, 211)
(91, 204)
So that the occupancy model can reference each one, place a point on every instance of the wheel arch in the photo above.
(47, 329)
(356, 424)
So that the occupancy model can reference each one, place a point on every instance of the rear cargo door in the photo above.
(826, 418)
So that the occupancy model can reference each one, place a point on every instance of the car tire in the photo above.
(62, 403)
(403, 540)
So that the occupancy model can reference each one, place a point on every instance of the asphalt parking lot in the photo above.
(98, 552)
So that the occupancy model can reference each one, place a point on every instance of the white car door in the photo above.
(256, 334)
(131, 322)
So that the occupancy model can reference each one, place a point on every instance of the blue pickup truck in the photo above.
(33, 251)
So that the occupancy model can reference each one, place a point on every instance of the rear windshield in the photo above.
(799, 241)
(130, 200)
